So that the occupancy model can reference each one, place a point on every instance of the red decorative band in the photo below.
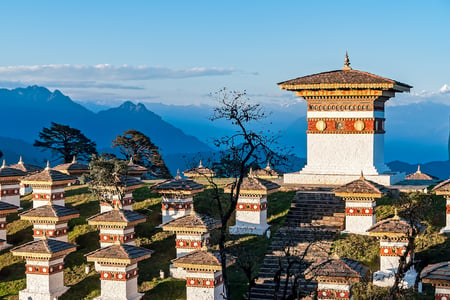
(345, 125)
(50, 232)
(448, 212)
(251, 206)
(203, 282)
(176, 206)
(392, 251)
(57, 196)
(111, 238)
(359, 211)
(124, 202)
(332, 294)
(187, 244)
(9, 192)
(2, 225)
(442, 296)
(119, 276)
(43, 270)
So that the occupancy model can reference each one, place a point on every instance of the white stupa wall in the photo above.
(125, 204)
(118, 289)
(333, 291)
(106, 233)
(195, 243)
(446, 229)
(251, 215)
(39, 229)
(10, 193)
(358, 223)
(388, 259)
(174, 208)
(214, 291)
(44, 286)
(441, 292)
(42, 196)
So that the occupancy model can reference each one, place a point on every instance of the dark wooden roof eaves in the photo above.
(11, 172)
(117, 215)
(132, 167)
(129, 181)
(391, 225)
(178, 185)
(202, 258)
(343, 267)
(122, 251)
(342, 77)
(27, 168)
(439, 271)
(444, 186)
(253, 183)
(48, 175)
(7, 206)
(362, 186)
(47, 246)
(193, 221)
(55, 211)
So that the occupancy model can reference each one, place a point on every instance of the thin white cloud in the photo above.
(445, 89)
(68, 84)
(105, 72)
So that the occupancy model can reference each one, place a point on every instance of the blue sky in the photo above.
(179, 51)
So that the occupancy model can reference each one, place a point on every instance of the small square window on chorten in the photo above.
(177, 197)
(10, 184)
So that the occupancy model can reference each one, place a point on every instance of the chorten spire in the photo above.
(178, 177)
(346, 62)
(74, 159)
(4, 163)
(48, 165)
(396, 217)
(20, 160)
(362, 176)
(418, 169)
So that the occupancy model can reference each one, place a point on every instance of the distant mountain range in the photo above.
(415, 133)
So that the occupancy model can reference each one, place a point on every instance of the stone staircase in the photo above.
(310, 227)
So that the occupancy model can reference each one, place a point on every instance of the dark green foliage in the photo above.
(134, 144)
(66, 142)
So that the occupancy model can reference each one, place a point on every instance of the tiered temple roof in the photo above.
(6, 208)
(254, 185)
(199, 171)
(361, 188)
(8, 174)
(72, 168)
(178, 186)
(442, 188)
(343, 269)
(395, 226)
(198, 261)
(436, 273)
(343, 79)
(135, 169)
(27, 168)
(50, 213)
(267, 172)
(122, 254)
(117, 217)
(44, 248)
(48, 176)
(192, 223)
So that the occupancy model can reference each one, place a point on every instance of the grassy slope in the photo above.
(87, 286)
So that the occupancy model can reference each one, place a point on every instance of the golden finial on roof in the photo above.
(396, 217)
(346, 63)
(131, 160)
(268, 165)
(4, 164)
(200, 164)
(178, 177)
(74, 159)
(362, 176)
(48, 165)
(250, 173)
(418, 169)
(20, 160)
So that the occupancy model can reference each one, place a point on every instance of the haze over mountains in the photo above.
(415, 133)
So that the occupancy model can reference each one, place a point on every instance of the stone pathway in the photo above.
(311, 225)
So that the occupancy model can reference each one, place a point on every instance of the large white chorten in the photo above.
(345, 133)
